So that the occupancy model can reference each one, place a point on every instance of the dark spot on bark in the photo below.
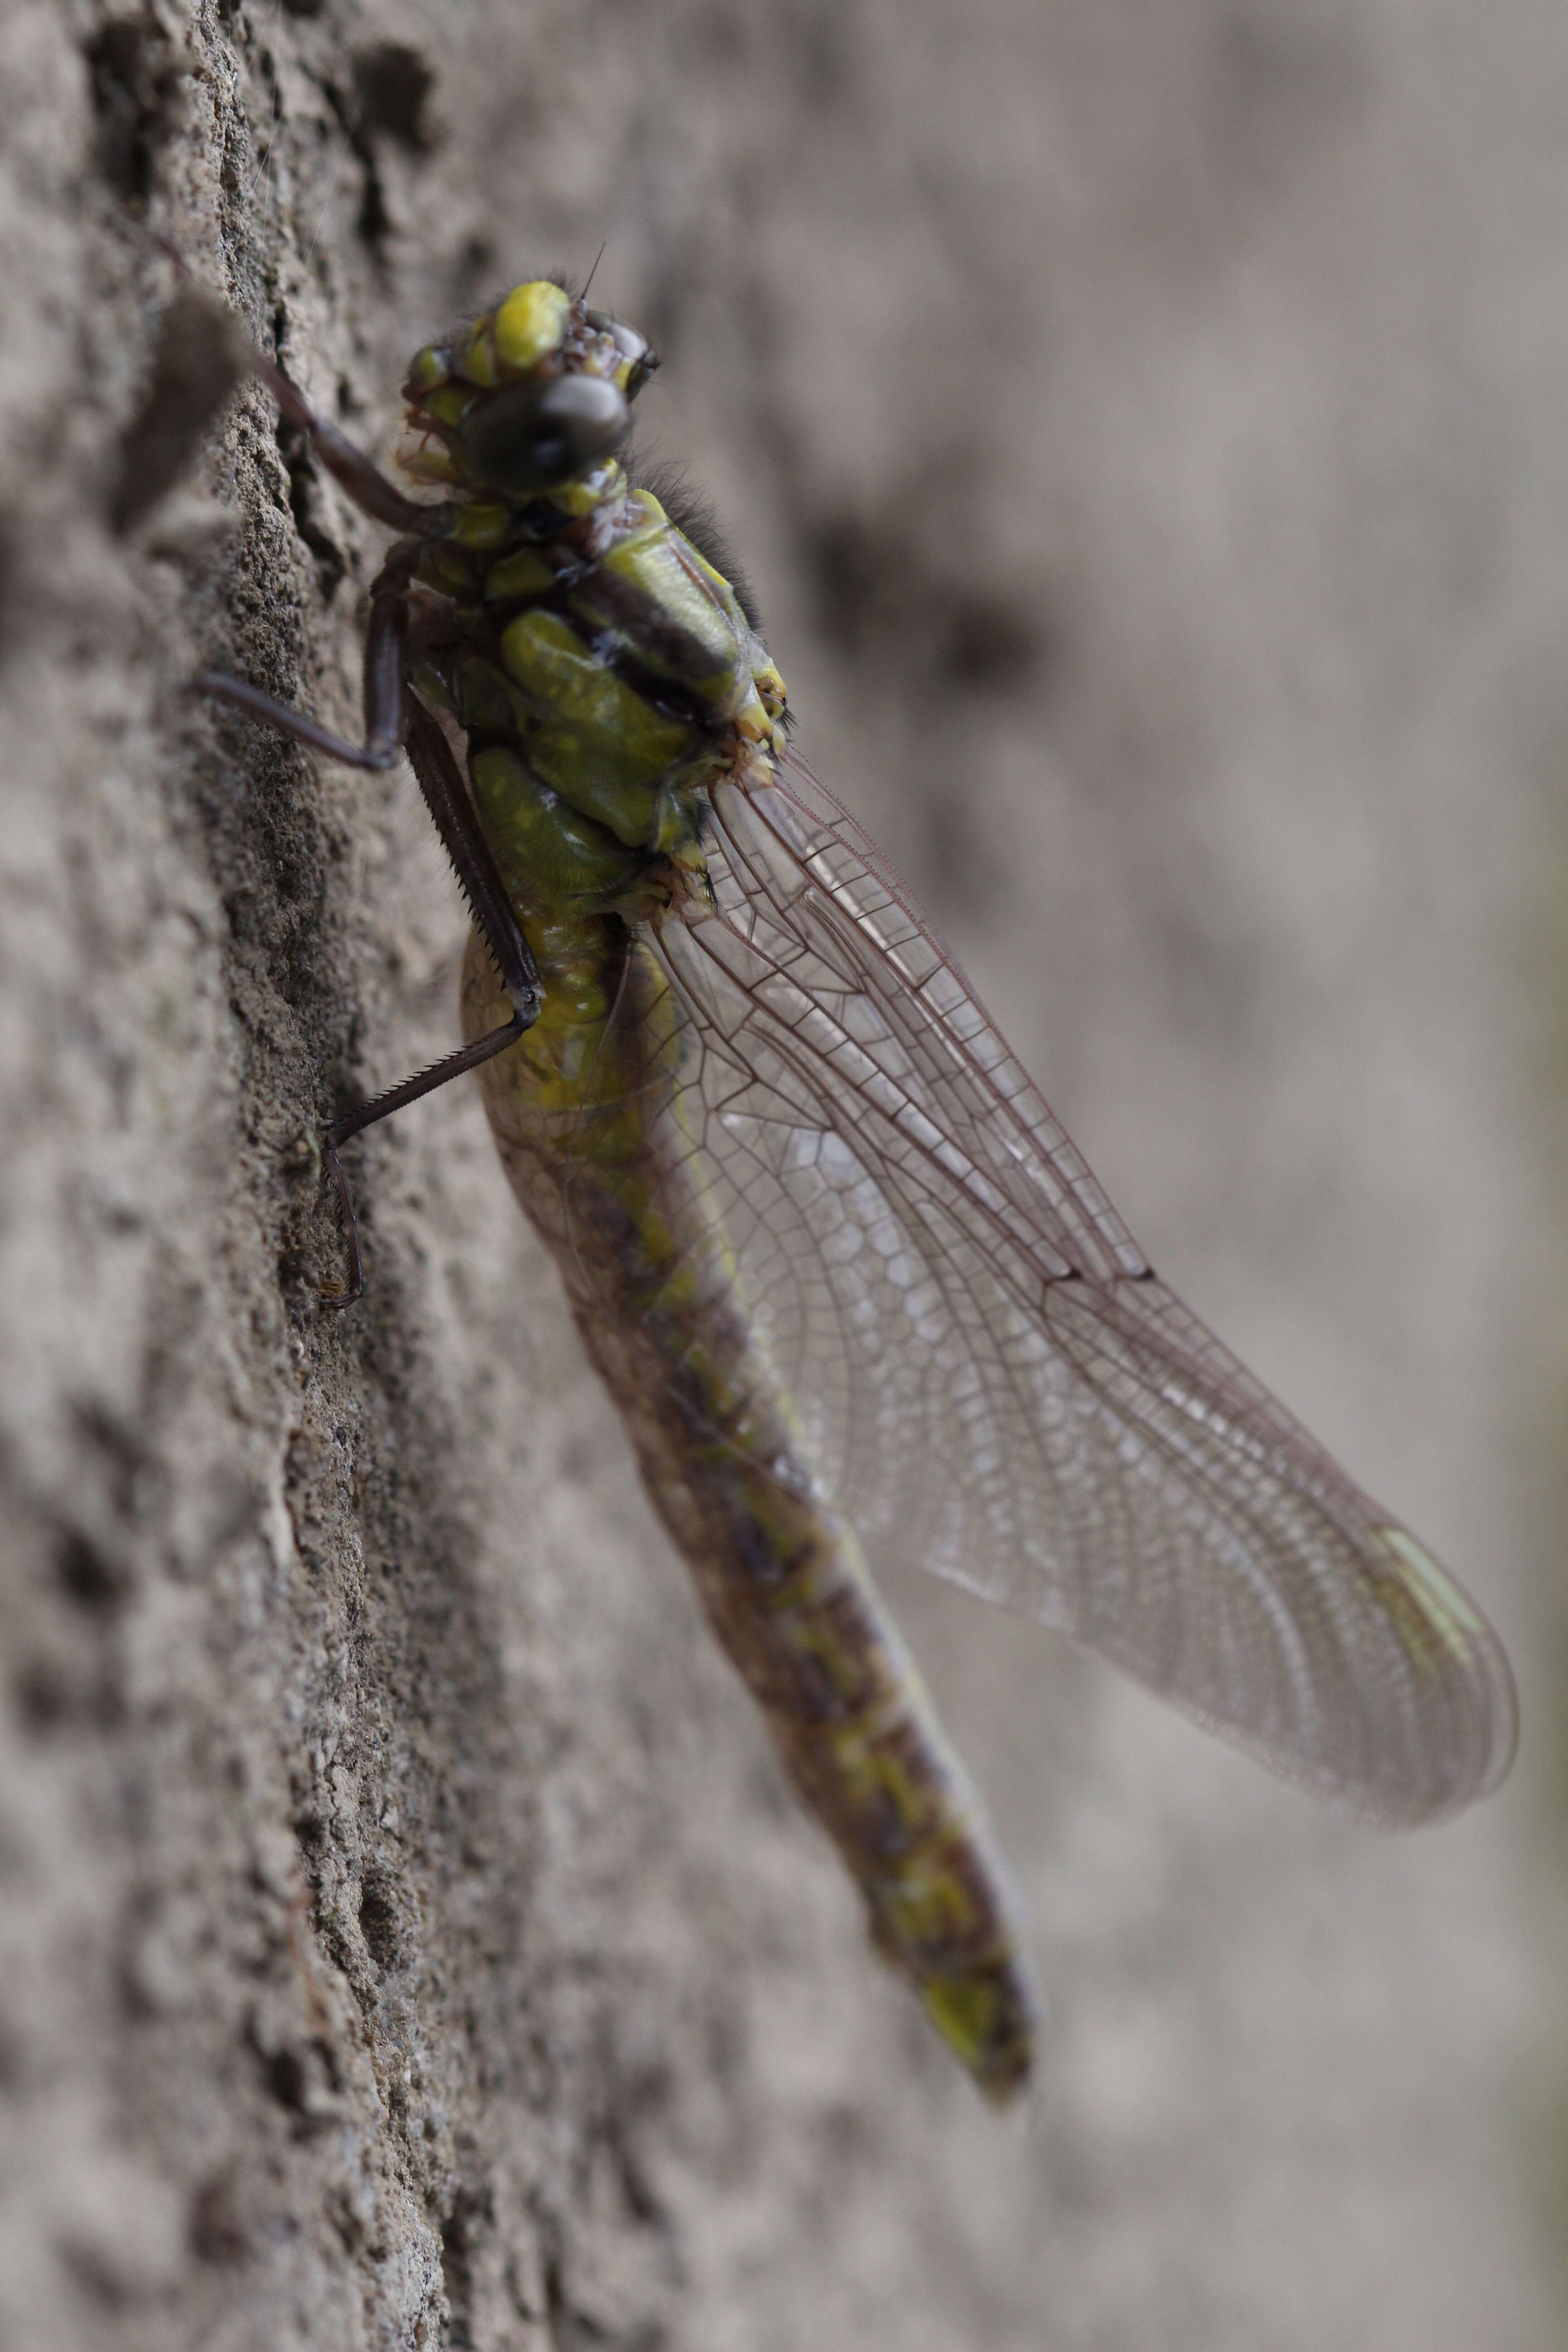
(374, 220)
(42, 1692)
(288, 2077)
(882, 596)
(473, 267)
(135, 76)
(636, 2190)
(200, 357)
(118, 1447)
(302, 2076)
(218, 2235)
(379, 1922)
(827, 65)
(305, 505)
(471, 2217)
(391, 83)
(312, 1832)
(992, 647)
(89, 1574)
(345, 2219)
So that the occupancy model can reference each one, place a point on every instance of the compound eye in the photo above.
(534, 437)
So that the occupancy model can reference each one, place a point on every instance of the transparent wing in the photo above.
(988, 1372)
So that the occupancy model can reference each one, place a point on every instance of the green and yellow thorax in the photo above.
(603, 668)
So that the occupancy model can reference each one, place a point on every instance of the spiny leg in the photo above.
(446, 798)
(394, 722)
(364, 482)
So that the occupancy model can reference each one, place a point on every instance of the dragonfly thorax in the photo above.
(604, 671)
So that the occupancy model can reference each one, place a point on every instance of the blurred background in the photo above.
(1142, 424)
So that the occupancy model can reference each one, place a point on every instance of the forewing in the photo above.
(991, 1377)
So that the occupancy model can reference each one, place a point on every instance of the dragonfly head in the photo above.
(535, 395)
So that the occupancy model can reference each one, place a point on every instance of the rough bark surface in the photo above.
(1143, 426)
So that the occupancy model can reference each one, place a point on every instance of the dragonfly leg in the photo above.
(446, 798)
(394, 722)
(364, 482)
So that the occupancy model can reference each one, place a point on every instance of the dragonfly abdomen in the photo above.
(618, 1199)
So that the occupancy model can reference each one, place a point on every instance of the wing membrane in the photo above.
(988, 1372)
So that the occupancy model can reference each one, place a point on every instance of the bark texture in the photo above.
(1143, 426)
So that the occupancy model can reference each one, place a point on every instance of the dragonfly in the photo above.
(842, 1271)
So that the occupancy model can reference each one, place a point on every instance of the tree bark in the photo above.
(407, 1938)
